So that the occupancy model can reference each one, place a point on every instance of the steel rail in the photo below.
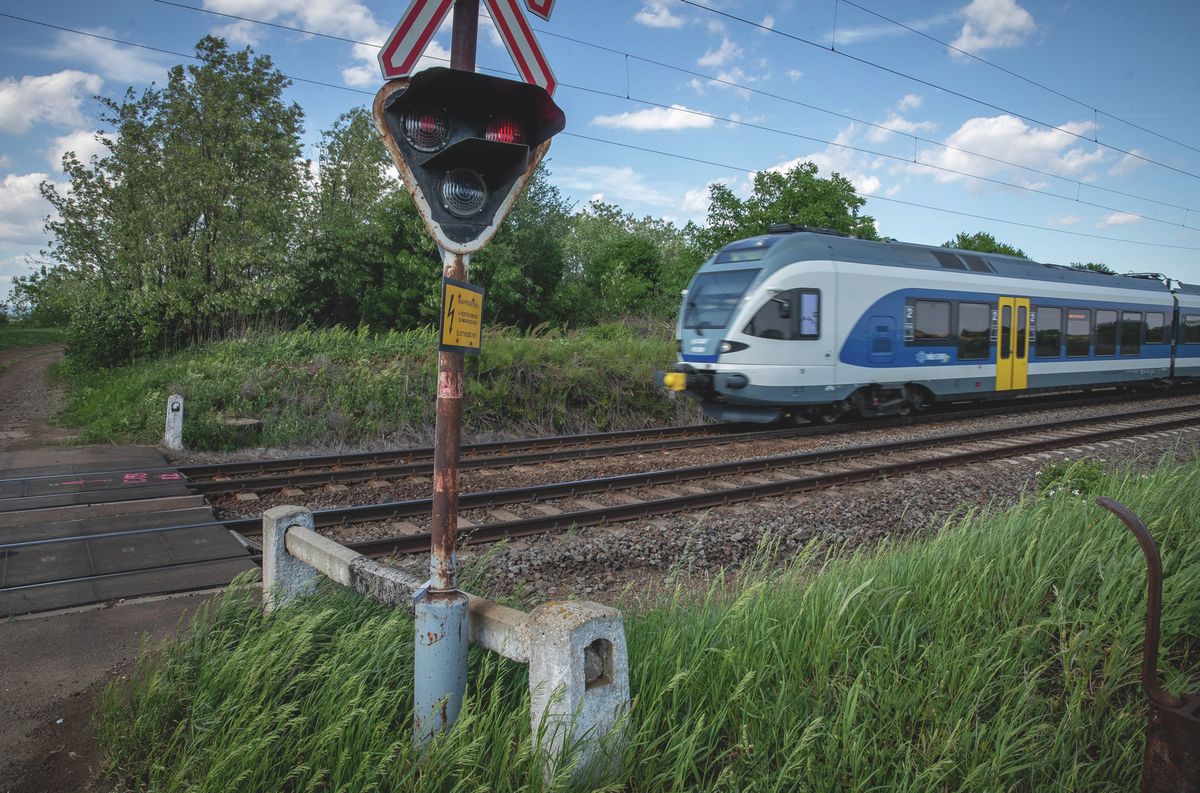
(417, 543)
(495, 498)
(564, 453)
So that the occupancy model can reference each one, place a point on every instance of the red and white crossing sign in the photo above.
(541, 8)
(522, 46)
(421, 20)
(412, 34)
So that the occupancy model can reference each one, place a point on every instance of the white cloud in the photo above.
(895, 122)
(657, 119)
(617, 184)
(22, 208)
(909, 102)
(1128, 163)
(53, 98)
(857, 168)
(82, 141)
(883, 30)
(993, 24)
(721, 55)
(1009, 138)
(658, 14)
(1064, 220)
(348, 18)
(1119, 219)
(115, 62)
(795, 74)
(768, 22)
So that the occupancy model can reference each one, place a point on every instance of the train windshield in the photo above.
(712, 297)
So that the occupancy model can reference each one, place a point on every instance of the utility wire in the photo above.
(1078, 184)
(631, 146)
(936, 86)
(1021, 77)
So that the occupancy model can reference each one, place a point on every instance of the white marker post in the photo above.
(173, 437)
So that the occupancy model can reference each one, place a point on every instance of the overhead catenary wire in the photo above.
(1029, 80)
(640, 148)
(937, 87)
(1079, 184)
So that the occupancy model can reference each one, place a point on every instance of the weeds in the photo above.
(1001, 654)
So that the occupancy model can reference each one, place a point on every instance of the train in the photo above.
(810, 324)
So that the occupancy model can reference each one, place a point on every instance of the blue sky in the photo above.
(714, 98)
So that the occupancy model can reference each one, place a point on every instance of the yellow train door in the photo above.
(1012, 344)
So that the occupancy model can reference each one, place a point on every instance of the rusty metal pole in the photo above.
(1171, 763)
(441, 621)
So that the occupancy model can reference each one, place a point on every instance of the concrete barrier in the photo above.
(576, 652)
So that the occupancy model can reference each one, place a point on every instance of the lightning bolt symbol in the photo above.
(450, 310)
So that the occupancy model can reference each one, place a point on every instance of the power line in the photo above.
(1021, 77)
(1079, 184)
(634, 147)
(937, 87)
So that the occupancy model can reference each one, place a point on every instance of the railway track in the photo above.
(264, 476)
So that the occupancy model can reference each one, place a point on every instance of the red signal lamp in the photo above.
(504, 130)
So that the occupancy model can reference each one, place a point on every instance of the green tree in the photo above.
(1097, 267)
(184, 229)
(524, 263)
(983, 242)
(795, 196)
(365, 258)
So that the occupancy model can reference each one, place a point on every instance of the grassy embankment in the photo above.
(15, 335)
(337, 386)
(1003, 654)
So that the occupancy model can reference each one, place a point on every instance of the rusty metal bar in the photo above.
(464, 35)
(1153, 600)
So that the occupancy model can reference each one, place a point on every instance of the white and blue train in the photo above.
(807, 323)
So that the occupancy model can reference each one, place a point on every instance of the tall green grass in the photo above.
(1002, 654)
(340, 386)
(17, 334)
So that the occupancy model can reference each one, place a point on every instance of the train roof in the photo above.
(787, 244)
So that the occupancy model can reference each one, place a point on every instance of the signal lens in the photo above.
(425, 129)
(504, 130)
(463, 193)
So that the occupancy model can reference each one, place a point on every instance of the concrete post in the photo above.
(579, 686)
(284, 576)
(173, 436)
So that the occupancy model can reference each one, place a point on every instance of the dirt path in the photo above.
(28, 400)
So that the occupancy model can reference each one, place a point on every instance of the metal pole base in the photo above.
(439, 662)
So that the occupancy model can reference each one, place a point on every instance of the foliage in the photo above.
(335, 385)
(1003, 654)
(984, 243)
(364, 256)
(25, 334)
(1079, 478)
(795, 196)
(1096, 267)
(181, 231)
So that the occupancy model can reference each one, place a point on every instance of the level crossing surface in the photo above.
(103, 524)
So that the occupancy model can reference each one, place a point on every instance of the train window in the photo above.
(1079, 332)
(713, 296)
(1047, 333)
(1022, 332)
(1106, 333)
(949, 260)
(975, 263)
(1006, 332)
(1131, 332)
(1191, 329)
(930, 321)
(791, 314)
(1156, 328)
(974, 325)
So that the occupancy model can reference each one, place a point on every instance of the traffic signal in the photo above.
(465, 144)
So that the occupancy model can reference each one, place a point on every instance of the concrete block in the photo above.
(579, 686)
(383, 584)
(320, 553)
(284, 577)
(173, 434)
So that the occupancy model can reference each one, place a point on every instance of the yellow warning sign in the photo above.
(462, 316)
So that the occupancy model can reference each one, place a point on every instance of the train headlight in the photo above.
(731, 346)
